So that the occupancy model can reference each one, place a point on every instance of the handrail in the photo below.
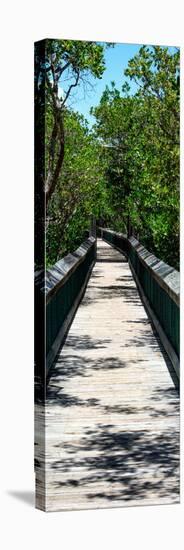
(166, 276)
(159, 282)
(57, 275)
(54, 277)
(60, 288)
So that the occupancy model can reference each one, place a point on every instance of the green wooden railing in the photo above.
(159, 282)
(62, 287)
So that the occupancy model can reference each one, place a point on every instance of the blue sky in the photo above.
(116, 60)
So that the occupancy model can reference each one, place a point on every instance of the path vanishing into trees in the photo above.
(112, 411)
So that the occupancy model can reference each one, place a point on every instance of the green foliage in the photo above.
(85, 56)
(125, 171)
(140, 135)
(73, 181)
(80, 192)
(60, 66)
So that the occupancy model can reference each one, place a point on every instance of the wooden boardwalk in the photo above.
(112, 415)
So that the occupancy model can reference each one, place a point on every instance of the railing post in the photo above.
(92, 231)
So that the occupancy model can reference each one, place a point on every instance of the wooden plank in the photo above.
(112, 413)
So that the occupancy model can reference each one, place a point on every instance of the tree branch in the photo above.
(58, 129)
(72, 86)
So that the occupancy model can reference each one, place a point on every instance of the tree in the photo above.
(80, 191)
(140, 134)
(69, 61)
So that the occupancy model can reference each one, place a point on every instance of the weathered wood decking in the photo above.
(112, 415)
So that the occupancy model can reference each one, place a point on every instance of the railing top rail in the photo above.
(166, 276)
(56, 276)
(113, 232)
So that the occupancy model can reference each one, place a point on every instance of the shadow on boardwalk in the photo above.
(112, 411)
(128, 293)
(120, 461)
(130, 464)
(78, 365)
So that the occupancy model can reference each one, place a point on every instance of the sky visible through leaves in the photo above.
(89, 92)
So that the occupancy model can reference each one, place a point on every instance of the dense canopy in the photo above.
(125, 169)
